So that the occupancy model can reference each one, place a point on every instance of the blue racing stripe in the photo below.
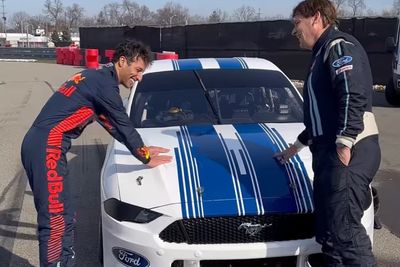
(234, 175)
(189, 64)
(288, 168)
(194, 196)
(212, 169)
(214, 172)
(175, 64)
(229, 63)
(251, 200)
(243, 62)
(305, 182)
(181, 182)
(185, 178)
(271, 176)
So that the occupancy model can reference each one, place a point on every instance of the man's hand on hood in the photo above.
(155, 158)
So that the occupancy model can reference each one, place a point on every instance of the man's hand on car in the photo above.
(155, 158)
(156, 150)
(285, 155)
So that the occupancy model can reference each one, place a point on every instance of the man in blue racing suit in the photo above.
(89, 95)
(341, 132)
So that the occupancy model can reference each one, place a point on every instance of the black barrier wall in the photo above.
(266, 39)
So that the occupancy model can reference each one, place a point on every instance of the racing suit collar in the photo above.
(110, 67)
(323, 38)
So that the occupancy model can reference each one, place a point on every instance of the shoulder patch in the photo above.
(343, 69)
(342, 61)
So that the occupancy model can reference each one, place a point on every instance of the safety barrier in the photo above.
(167, 55)
(77, 57)
(109, 53)
(91, 58)
(69, 56)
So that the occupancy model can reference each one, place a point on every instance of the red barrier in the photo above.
(109, 53)
(63, 55)
(77, 58)
(59, 55)
(167, 55)
(92, 58)
(69, 58)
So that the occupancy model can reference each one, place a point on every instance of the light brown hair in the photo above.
(309, 8)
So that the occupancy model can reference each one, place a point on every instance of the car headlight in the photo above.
(122, 211)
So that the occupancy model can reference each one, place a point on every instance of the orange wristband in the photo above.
(144, 153)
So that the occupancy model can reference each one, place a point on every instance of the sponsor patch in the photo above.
(343, 69)
(342, 61)
(130, 258)
(77, 78)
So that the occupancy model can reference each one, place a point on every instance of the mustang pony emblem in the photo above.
(253, 229)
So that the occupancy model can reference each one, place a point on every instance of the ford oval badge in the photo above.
(342, 61)
(130, 258)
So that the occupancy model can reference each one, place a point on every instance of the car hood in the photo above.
(220, 170)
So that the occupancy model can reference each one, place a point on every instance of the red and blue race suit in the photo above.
(89, 95)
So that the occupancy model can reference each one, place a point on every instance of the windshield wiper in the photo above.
(208, 97)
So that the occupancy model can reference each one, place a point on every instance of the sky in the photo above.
(270, 8)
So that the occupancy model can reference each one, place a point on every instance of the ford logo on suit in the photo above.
(130, 258)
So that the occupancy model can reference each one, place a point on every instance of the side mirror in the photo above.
(390, 44)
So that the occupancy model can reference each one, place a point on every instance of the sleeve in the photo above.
(347, 67)
(302, 140)
(114, 119)
(106, 124)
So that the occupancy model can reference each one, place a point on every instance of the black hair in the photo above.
(132, 50)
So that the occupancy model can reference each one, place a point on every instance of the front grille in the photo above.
(227, 230)
(268, 262)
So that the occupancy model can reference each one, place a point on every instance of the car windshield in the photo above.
(214, 96)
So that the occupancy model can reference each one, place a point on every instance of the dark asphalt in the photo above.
(387, 181)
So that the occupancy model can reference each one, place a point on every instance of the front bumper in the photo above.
(143, 240)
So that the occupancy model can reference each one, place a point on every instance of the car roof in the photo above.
(210, 63)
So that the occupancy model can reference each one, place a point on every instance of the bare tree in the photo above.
(245, 13)
(54, 9)
(19, 21)
(371, 13)
(196, 19)
(389, 13)
(172, 14)
(218, 16)
(101, 19)
(340, 7)
(276, 17)
(73, 15)
(2, 28)
(356, 6)
(396, 8)
(40, 21)
(339, 3)
(112, 15)
(145, 16)
(129, 10)
(134, 14)
(88, 22)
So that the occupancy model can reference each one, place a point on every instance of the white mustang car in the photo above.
(224, 200)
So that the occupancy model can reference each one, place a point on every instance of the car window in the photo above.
(215, 97)
(170, 98)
